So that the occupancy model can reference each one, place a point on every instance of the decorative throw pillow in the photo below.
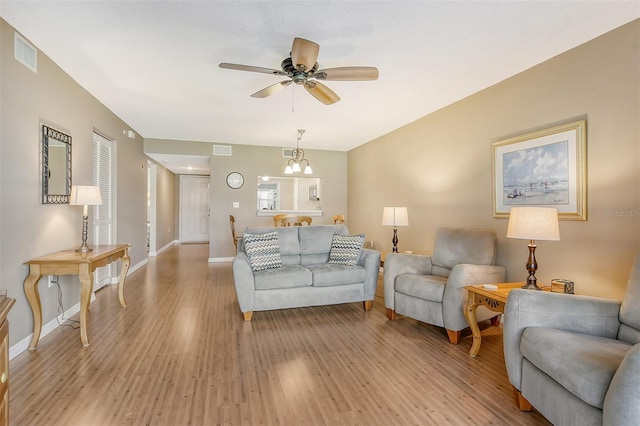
(345, 249)
(263, 250)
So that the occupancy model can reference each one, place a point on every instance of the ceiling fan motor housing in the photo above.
(298, 77)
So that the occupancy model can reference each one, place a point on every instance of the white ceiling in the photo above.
(155, 63)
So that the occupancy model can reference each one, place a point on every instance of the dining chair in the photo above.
(232, 223)
(296, 221)
(277, 219)
(338, 219)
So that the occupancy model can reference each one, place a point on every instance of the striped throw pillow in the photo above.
(263, 250)
(345, 249)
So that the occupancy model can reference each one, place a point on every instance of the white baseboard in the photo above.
(155, 253)
(220, 259)
(47, 328)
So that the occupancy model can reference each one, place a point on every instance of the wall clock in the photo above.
(235, 180)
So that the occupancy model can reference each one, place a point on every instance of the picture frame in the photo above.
(546, 168)
(313, 193)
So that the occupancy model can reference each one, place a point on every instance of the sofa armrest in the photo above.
(530, 308)
(455, 295)
(370, 261)
(396, 264)
(621, 401)
(244, 282)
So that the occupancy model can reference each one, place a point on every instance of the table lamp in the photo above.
(395, 216)
(533, 223)
(85, 196)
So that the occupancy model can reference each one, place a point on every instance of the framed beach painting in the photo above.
(547, 168)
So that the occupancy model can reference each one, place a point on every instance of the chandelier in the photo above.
(294, 165)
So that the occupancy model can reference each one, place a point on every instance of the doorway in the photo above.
(103, 226)
(194, 209)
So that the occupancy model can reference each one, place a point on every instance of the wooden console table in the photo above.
(71, 262)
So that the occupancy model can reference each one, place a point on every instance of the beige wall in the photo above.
(440, 166)
(28, 228)
(253, 161)
(166, 200)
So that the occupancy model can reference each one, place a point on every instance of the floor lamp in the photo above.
(533, 223)
(85, 196)
(395, 216)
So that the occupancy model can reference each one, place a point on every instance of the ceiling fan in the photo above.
(301, 68)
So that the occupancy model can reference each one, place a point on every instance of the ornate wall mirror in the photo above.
(277, 194)
(56, 166)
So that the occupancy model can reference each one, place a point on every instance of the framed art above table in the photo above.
(547, 168)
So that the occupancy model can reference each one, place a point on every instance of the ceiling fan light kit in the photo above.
(301, 68)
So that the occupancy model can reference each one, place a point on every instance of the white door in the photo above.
(103, 215)
(194, 209)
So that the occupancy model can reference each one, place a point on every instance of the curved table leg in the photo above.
(470, 315)
(86, 287)
(126, 260)
(33, 297)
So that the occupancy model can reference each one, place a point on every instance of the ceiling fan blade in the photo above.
(304, 52)
(321, 92)
(270, 90)
(347, 74)
(252, 69)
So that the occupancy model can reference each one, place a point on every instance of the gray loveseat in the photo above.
(305, 277)
(576, 359)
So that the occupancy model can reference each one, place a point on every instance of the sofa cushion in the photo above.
(285, 277)
(581, 363)
(327, 275)
(263, 250)
(345, 249)
(427, 287)
(315, 242)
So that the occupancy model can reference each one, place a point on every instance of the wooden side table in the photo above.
(71, 262)
(492, 299)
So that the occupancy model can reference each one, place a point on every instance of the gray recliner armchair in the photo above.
(576, 359)
(431, 288)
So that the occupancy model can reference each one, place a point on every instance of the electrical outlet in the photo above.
(50, 280)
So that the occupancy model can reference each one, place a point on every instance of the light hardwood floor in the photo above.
(180, 354)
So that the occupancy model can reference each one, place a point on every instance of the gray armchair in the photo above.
(576, 359)
(431, 288)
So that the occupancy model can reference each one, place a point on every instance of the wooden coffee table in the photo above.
(492, 299)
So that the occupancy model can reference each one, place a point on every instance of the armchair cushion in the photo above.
(583, 364)
(630, 309)
(427, 287)
(455, 246)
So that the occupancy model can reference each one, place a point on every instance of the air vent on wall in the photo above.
(224, 150)
(287, 152)
(25, 52)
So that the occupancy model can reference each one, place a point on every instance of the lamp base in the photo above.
(395, 240)
(84, 248)
(531, 286)
(532, 267)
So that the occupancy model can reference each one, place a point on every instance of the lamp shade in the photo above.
(82, 195)
(533, 223)
(395, 216)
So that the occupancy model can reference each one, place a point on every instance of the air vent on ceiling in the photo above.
(287, 152)
(224, 150)
(25, 52)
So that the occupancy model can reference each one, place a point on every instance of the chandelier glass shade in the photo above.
(298, 162)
